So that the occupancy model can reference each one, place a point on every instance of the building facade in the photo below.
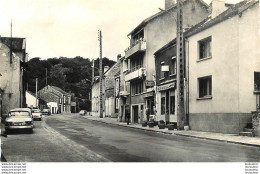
(95, 101)
(12, 62)
(223, 68)
(31, 100)
(165, 60)
(145, 40)
(111, 95)
(54, 94)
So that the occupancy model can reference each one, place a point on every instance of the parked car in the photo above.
(19, 118)
(46, 112)
(82, 112)
(37, 114)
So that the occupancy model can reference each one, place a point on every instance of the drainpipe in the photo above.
(187, 82)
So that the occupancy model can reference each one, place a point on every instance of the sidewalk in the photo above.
(229, 138)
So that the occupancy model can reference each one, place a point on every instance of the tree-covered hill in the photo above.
(70, 74)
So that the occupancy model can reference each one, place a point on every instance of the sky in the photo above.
(69, 28)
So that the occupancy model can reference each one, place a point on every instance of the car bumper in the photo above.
(37, 116)
(19, 127)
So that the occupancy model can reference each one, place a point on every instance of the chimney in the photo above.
(118, 57)
(217, 7)
(169, 4)
(106, 68)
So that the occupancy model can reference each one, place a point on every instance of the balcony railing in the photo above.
(139, 45)
(135, 72)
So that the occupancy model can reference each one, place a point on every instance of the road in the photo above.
(71, 138)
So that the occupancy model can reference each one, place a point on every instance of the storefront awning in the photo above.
(166, 87)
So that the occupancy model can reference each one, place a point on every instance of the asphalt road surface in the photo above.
(71, 138)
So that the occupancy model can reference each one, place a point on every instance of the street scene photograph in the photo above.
(130, 81)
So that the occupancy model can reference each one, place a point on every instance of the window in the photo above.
(117, 103)
(137, 87)
(60, 100)
(205, 86)
(64, 99)
(257, 81)
(172, 105)
(162, 72)
(173, 66)
(205, 48)
(117, 86)
(68, 100)
(162, 105)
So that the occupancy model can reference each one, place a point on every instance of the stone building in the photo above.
(111, 96)
(59, 100)
(12, 64)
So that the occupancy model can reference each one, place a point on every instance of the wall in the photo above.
(30, 100)
(234, 59)
(249, 57)
(10, 80)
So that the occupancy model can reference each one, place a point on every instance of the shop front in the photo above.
(166, 105)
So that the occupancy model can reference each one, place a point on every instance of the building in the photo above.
(95, 101)
(149, 36)
(111, 95)
(31, 100)
(165, 60)
(12, 64)
(223, 67)
(124, 91)
(57, 100)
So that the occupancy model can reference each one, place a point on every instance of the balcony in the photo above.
(137, 47)
(124, 90)
(136, 72)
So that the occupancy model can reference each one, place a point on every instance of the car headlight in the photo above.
(28, 122)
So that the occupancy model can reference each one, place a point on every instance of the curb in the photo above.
(178, 134)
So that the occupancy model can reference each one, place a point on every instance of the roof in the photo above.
(17, 43)
(208, 22)
(60, 90)
(230, 12)
(147, 20)
(31, 93)
(172, 42)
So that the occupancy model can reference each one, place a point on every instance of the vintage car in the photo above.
(46, 112)
(19, 118)
(37, 114)
(82, 112)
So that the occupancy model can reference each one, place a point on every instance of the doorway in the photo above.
(167, 113)
(135, 113)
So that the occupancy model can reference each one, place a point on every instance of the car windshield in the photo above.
(19, 113)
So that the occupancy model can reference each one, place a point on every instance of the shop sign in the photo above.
(149, 83)
(149, 94)
(166, 87)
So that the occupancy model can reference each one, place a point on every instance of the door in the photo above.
(167, 112)
(150, 105)
(135, 114)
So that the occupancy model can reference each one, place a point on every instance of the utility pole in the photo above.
(180, 67)
(11, 46)
(100, 74)
(36, 103)
(46, 77)
(93, 71)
